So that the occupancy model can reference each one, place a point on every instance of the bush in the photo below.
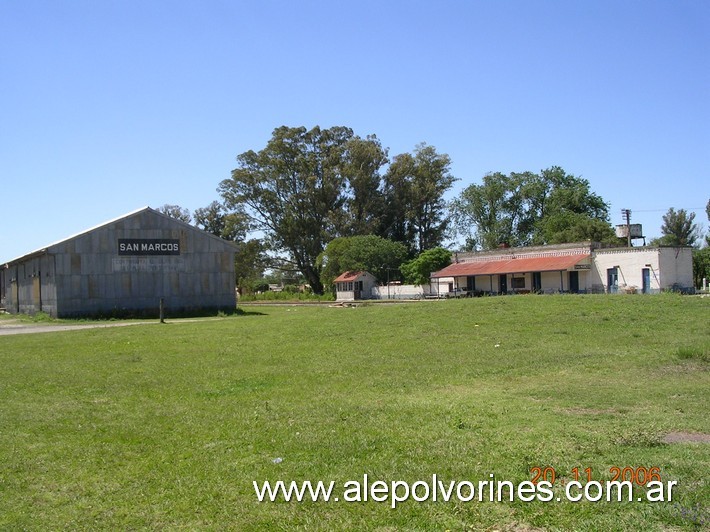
(286, 296)
(257, 286)
(291, 289)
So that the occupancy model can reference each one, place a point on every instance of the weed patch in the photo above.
(694, 353)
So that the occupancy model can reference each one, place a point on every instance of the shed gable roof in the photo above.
(138, 212)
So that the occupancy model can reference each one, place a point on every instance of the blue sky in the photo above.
(108, 106)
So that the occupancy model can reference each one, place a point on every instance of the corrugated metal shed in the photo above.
(124, 266)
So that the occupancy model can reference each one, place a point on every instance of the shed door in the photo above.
(646, 281)
(574, 282)
(36, 293)
(357, 289)
(16, 289)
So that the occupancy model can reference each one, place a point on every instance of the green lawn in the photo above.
(167, 426)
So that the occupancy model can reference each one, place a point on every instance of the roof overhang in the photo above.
(516, 265)
(349, 276)
(24, 258)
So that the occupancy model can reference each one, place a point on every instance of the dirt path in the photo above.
(11, 326)
(8, 327)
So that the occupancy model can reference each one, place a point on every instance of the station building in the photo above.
(124, 267)
(584, 267)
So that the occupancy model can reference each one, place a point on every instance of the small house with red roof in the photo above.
(354, 285)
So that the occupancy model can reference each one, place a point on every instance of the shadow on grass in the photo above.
(220, 314)
(132, 314)
(242, 312)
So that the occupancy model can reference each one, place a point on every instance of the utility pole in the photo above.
(626, 213)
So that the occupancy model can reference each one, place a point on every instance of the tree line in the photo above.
(327, 200)
(306, 188)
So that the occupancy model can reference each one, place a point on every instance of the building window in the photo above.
(518, 283)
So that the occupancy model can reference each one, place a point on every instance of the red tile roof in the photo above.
(348, 276)
(512, 265)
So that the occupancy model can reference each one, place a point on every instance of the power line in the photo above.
(664, 210)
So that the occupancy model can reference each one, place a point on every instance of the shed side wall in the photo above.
(93, 279)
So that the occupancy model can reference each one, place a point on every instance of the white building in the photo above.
(584, 267)
(350, 286)
(644, 269)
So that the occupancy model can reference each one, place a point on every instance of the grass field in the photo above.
(167, 426)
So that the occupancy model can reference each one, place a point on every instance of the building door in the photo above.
(471, 284)
(2, 288)
(646, 281)
(574, 282)
(612, 280)
(16, 290)
(37, 293)
(357, 290)
(503, 284)
(537, 282)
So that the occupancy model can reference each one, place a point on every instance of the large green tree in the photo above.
(250, 262)
(307, 187)
(215, 219)
(396, 223)
(525, 208)
(379, 256)
(364, 207)
(679, 228)
(414, 188)
(177, 212)
(302, 189)
(417, 271)
(701, 265)
(485, 213)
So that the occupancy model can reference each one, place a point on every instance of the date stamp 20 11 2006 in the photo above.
(636, 475)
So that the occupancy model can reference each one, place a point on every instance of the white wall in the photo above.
(400, 291)
(676, 267)
(441, 285)
(630, 263)
(345, 295)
